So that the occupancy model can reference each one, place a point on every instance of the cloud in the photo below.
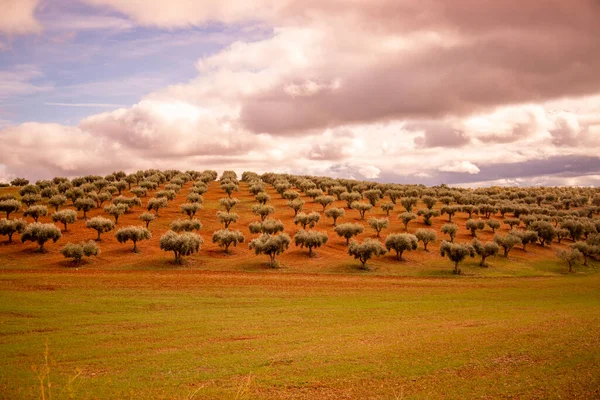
(17, 17)
(438, 134)
(460, 166)
(20, 81)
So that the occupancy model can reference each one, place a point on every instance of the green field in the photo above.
(193, 334)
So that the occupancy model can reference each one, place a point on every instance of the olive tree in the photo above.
(225, 238)
(305, 220)
(586, 250)
(181, 245)
(100, 225)
(409, 202)
(116, 210)
(366, 250)
(325, 201)
(507, 242)
(310, 239)
(335, 213)
(269, 227)
(470, 210)
(387, 207)
(262, 198)
(134, 234)
(296, 205)
(492, 223)
(372, 195)
(139, 191)
(474, 226)
(429, 201)
(8, 227)
(379, 224)
(526, 237)
(394, 194)
(485, 250)
(426, 236)
(290, 195)
(57, 201)
(427, 214)
(450, 210)
(65, 217)
(147, 218)
(545, 231)
(166, 194)
(572, 257)
(348, 230)
(262, 210)
(9, 206)
(561, 233)
(229, 188)
(362, 208)
(19, 182)
(228, 203)
(130, 202)
(40, 233)
(336, 190)
(190, 209)
(85, 204)
(156, 204)
(36, 212)
(314, 193)
(512, 222)
(350, 197)
(187, 225)
(456, 253)
(450, 230)
(406, 217)
(76, 251)
(270, 245)
(227, 218)
(401, 242)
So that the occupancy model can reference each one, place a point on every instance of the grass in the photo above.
(209, 334)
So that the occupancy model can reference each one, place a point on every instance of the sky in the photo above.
(469, 92)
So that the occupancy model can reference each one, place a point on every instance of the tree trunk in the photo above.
(65, 224)
(98, 239)
(456, 269)
(425, 245)
(505, 252)
(135, 246)
(227, 247)
(147, 224)
(10, 235)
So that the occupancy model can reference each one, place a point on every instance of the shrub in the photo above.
(65, 217)
(335, 213)
(486, 250)
(456, 253)
(366, 250)
(181, 245)
(309, 220)
(270, 245)
(76, 251)
(36, 212)
(8, 227)
(379, 224)
(100, 225)
(348, 230)
(450, 230)
(401, 242)
(225, 238)
(40, 233)
(310, 239)
(426, 236)
(133, 233)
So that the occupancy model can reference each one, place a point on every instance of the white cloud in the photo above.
(460, 166)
